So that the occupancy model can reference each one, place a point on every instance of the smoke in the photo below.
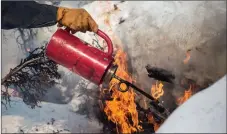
(160, 33)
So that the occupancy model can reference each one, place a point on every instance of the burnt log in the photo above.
(160, 74)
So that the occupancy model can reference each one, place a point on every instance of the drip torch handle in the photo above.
(108, 41)
(105, 37)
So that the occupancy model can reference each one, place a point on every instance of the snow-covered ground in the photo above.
(204, 112)
(20, 117)
(153, 32)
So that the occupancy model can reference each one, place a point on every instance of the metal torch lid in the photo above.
(109, 75)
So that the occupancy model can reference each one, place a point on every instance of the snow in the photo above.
(205, 112)
(20, 116)
(151, 29)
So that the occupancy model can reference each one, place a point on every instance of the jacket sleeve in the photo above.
(27, 14)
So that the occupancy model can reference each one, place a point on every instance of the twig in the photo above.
(12, 72)
(97, 42)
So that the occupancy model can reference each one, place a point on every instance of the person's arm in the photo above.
(27, 14)
(30, 14)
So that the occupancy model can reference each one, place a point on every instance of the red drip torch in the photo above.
(86, 60)
(82, 58)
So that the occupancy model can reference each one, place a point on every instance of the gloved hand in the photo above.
(76, 20)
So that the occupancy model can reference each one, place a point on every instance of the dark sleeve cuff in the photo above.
(27, 14)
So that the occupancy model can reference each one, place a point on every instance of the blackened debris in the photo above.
(66, 130)
(22, 131)
(57, 132)
(115, 7)
(121, 20)
(160, 74)
(52, 121)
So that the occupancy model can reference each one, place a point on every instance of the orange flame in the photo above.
(187, 95)
(157, 90)
(152, 121)
(122, 108)
(187, 57)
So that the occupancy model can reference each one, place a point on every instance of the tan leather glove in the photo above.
(76, 20)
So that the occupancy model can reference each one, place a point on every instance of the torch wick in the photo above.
(134, 87)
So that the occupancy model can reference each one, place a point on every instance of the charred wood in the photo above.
(160, 74)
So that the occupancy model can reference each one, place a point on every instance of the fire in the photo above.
(157, 90)
(122, 109)
(187, 95)
(152, 121)
(187, 57)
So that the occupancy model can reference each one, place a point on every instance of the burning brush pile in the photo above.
(122, 111)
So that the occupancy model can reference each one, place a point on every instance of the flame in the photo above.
(152, 121)
(157, 90)
(187, 57)
(122, 109)
(187, 95)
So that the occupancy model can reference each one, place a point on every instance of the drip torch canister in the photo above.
(81, 58)
(85, 60)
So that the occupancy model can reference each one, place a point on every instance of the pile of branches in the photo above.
(31, 78)
(93, 104)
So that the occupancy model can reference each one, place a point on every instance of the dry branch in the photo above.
(31, 78)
